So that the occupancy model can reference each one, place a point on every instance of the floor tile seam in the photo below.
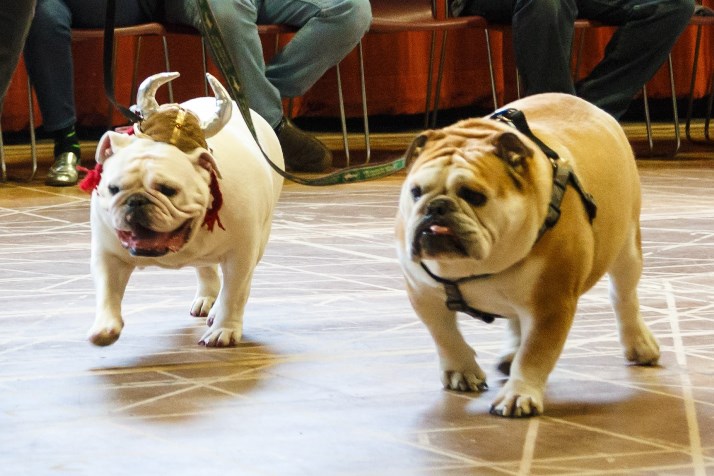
(695, 441)
(655, 443)
(625, 384)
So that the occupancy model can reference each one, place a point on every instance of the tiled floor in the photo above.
(335, 375)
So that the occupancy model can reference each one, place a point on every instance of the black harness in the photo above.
(563, 175)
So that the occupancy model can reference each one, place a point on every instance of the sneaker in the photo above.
(302, 152)
(64, 171)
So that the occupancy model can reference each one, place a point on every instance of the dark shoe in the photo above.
(302, 152)
(64, 171)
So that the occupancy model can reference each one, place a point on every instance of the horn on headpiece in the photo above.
(146, 103)
(222, 113)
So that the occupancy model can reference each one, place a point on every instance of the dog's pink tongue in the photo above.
(440, 230)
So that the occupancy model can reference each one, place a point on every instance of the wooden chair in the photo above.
(393, 16)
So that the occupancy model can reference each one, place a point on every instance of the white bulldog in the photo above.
(189, 188)
(489, 225)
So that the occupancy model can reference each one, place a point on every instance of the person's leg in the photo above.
(15, 20)
(648, 31)
(328, 31)
(48, 57)
(237, 21)
(543, 37)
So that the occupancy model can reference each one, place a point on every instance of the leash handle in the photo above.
(108, 61)
(212, 33)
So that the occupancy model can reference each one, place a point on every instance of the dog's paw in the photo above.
(201, 305)
(468, 381)
(641, 348)
(517, 401)
(220, 337)
(104, 335)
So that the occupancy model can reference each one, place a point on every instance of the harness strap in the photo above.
(563, 174)
(516, 119)
(455, 300)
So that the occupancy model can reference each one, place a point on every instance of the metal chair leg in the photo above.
(3, 168)
(675, 117)
(365, 117)
(427, 106)
(343, 118)
(690, 100)
(492, 75)
(439, 76)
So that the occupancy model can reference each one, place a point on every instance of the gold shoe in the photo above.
(64, 171)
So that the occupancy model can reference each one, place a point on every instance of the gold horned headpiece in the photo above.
(174, 124)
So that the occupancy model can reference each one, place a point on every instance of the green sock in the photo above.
(66, 141)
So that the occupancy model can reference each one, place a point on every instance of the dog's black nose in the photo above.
(136, 201)
(440, 207)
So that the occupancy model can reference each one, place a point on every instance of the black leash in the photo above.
(211, 32)
(108, 61)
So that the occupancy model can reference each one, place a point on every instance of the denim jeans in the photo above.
(328, 31)
(543, 37)
(48, 51)
(15, 19)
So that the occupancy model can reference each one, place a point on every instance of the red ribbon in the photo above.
(212, 214)
(91, 180)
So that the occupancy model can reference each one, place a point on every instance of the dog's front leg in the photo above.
(543, 338)
(111, 276)
(209, 284)
(225, 320)
(459, 370)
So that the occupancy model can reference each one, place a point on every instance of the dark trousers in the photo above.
(48, 51)
(543, 40)
(15, 19)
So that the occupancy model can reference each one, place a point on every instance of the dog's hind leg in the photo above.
(209, 284)
(639, 344)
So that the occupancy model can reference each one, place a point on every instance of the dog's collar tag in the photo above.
(455, 300)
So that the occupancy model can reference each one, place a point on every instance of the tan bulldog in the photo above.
(490, 225)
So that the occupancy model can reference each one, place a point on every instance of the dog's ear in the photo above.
(416, 146)
(110, 143)
(512, 150)
(203, 158)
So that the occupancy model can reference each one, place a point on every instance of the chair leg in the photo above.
(365, 117)
(343, 118)
(492, 75)
(33, 142)
(439, 76)
(3, 168)
(167, 65)
(427, 106)
(690, 99)
(204, 62)
(675, 117)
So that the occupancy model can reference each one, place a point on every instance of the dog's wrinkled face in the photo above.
(472, 193)
(154, 196)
